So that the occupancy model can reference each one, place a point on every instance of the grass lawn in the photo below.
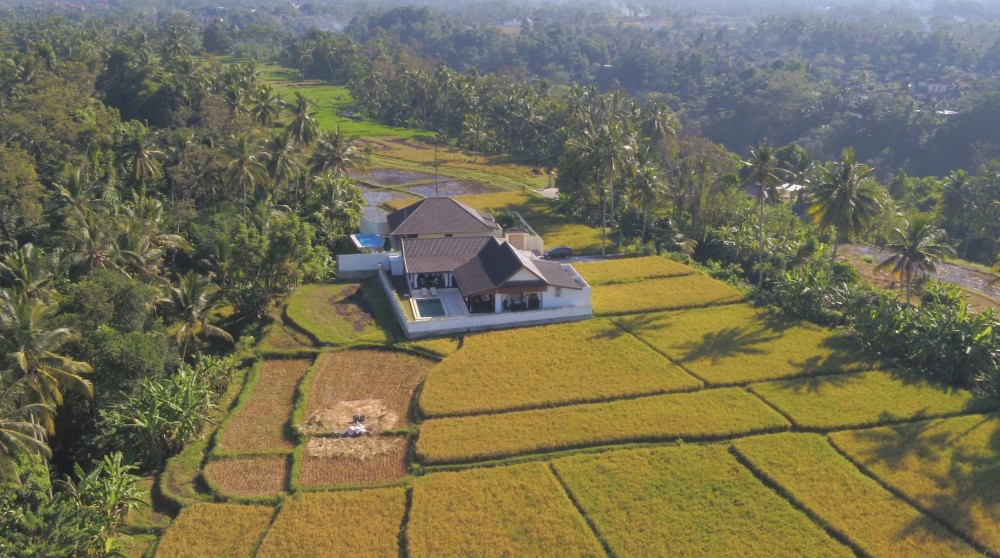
(738, 344)
(628, 270)
(875, 521)
(866, 399)
(217, 530)
(145, 519)
(342, 314)
(949, 467)
(545, 366)
(502, 511)
(135, 546)
(688, 501)
(353, 523)
(656, 295)
(701, 415)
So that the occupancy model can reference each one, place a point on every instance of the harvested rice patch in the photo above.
(948, 467)
(281, 337)
(866, 399)
(738, 344)
(350, 523)
(701, 415)
(501, 511)
(261, 424)
(248, 477)
(353, 461)
(342, 313)
(217, 530)
(656, 295)
(627, 270)
(688, 501)
(807, 468)
(367, 375)
(545, 366)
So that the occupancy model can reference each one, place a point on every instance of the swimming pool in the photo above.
(368, 242)
(429, 308)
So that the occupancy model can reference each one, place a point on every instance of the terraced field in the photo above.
(681, 422)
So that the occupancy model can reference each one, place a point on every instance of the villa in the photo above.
(454, 269)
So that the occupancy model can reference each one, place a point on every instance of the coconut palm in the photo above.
(247, 168)
(763, 166)
(27, 269)
(917, 247)
(31, 352)
(847, 199)
(647, 187)
(267, 106)
(606, 149)
(194, 298)
(303, 128)
(282, 161)
(20, 433)
(336, 153)
(141, 158)
(338, 204)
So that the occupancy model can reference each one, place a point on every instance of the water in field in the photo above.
(452, 188)
(391, 177)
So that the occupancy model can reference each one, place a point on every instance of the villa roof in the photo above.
(439, 216)
(489, 269)
(431, 255)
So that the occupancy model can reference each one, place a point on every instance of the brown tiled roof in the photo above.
(556, 275)
(439, 216)
(431, 255)
(489, 269)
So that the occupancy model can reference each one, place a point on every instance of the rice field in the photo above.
(261, 421)
(217, 530)
(688, 501)
(503, 511)
(257, 476)
(739, 344)
(866, 399)
(367, 374)
(441, 347)
(872, 519)
(342, 313)
(628, 270)
(701, 415)
(345, 523)
(323, 471)
(950, 468)
(546, 366)
(656, 295)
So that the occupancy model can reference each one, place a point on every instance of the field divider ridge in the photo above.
(775, 487)
(274, 517)
(706, 383)
(583, 513)
(916, 505)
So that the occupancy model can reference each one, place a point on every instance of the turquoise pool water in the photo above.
(430, 308)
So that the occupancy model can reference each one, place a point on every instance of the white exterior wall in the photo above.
(369, 226)
(567, 297)
(353, 266)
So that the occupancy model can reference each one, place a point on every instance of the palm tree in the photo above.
(763, 165)
(140, 156)
(30, 351)
(918, 247)
(267, 106)
(847, 199)
(20, 433)
(647, 188)
(193, 298)
(303, 128)
(658, 123)
(956, 205)
(282, 162)
(28, 272)
(338, 204)
(606, 149)
(336, 153)
(247, 169)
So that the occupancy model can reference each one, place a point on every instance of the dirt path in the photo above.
(975, 284)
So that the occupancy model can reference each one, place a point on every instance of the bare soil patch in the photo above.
(261, 424)
(249, 477)
(350, 304)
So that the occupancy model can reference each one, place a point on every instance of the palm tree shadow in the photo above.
(728, 342)
(635, 324)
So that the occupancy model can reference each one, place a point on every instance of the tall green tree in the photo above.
(916, 248)
(336, 153)
(20, 432)
(303, 127)
(193, 298)
(846, 200)
(764, 177)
